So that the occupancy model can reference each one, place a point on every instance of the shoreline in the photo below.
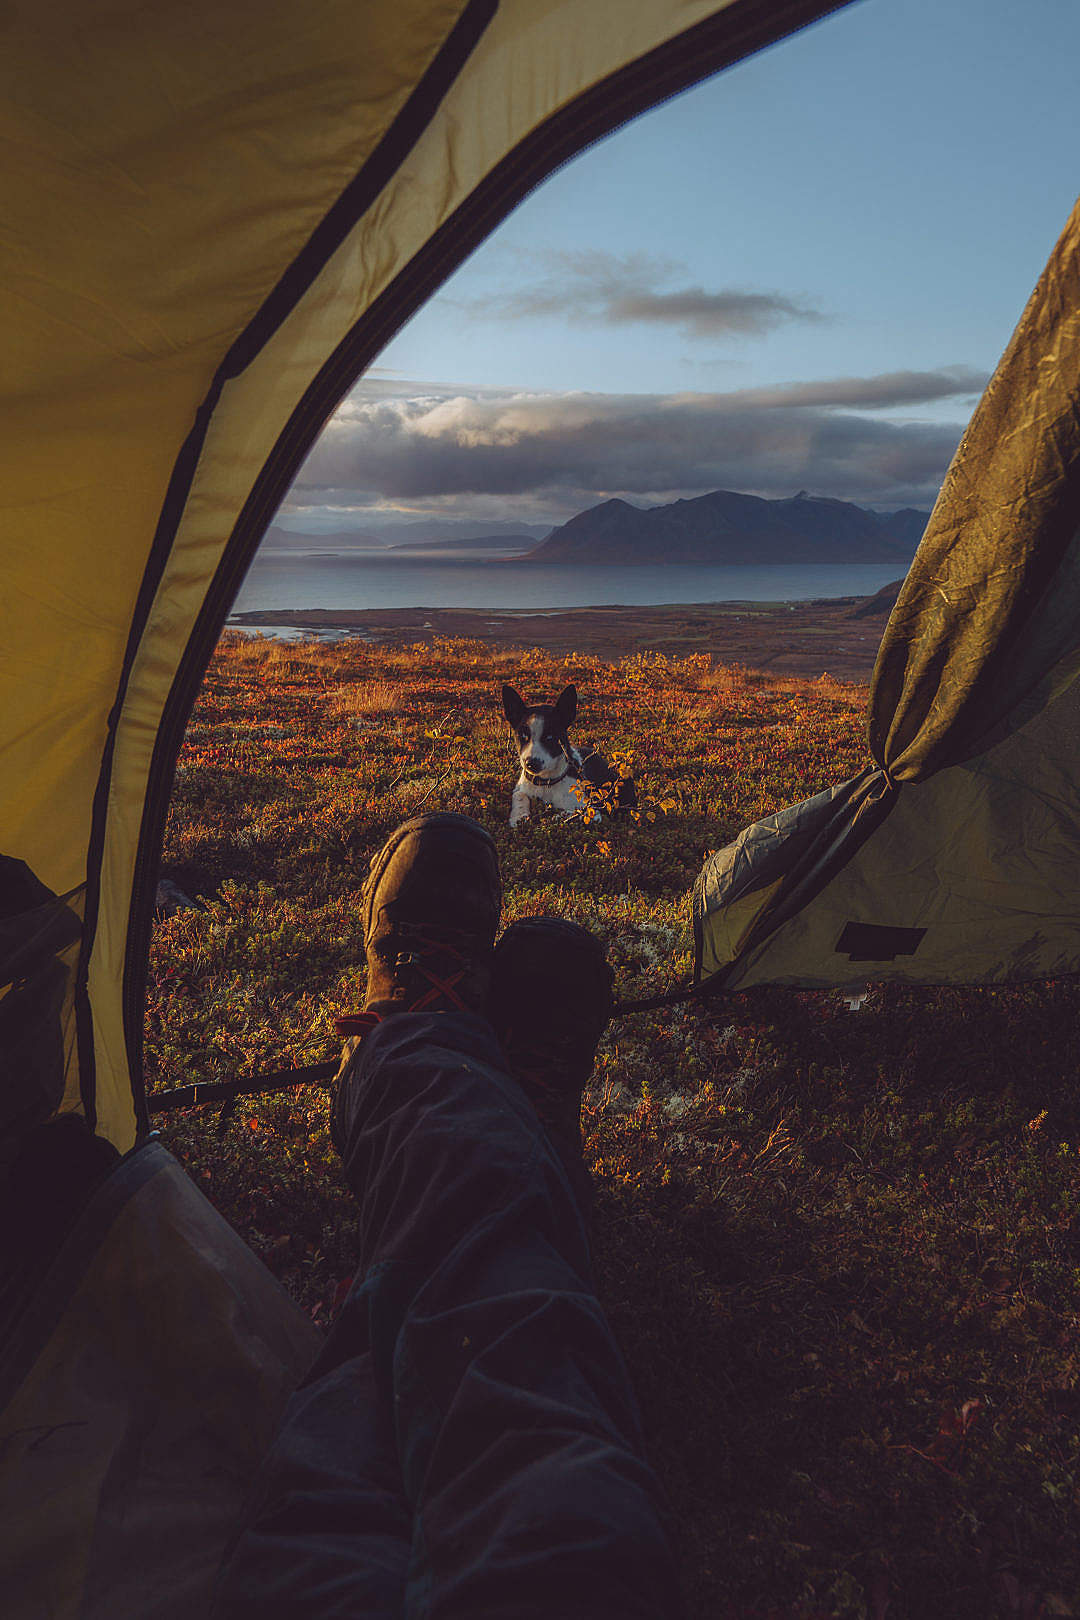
(837, 636)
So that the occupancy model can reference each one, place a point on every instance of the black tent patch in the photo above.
(869, 942)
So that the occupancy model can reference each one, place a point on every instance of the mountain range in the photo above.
(730, 528)
(725, 527)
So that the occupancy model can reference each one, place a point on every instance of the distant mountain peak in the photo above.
(728, 527)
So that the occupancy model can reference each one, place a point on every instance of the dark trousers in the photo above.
(468, 1443)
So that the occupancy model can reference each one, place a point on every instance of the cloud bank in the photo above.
(556, 453)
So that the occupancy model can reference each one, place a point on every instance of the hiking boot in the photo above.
(431, 907)
(551, 1000)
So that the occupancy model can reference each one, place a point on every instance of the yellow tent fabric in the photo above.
(986, 624)
(215, 215)
(955, 858)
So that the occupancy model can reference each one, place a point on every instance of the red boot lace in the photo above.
(437, 986)
(363, 1023)
(360, 1024)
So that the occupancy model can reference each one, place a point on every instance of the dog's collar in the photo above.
(544, 781)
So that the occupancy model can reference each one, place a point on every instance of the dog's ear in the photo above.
(566, 707)
(513, 705)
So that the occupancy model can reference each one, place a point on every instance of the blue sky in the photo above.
(796, 275)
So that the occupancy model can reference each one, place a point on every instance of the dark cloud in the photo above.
(600, 287)
(706, 314)
(574, 449)
(884, 392)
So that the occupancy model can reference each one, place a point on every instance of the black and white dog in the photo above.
(553, 772)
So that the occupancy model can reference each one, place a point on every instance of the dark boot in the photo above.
(431, 909)
(431, 905)
(551, 1000)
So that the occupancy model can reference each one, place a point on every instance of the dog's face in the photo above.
(540, 730)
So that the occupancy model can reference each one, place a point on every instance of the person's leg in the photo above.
(517, 1429)
(329, 1531)
(472, 1347)
(328, 1536)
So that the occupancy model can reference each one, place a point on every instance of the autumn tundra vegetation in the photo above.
(839, 1243)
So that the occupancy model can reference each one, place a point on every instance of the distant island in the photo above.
(728, 528)
(479, 542)
(467, 533)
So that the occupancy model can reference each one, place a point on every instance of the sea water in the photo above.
(292, 581)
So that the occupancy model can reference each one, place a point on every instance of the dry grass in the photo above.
(368, 699)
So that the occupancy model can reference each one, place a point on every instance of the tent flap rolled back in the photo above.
(956, 857)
